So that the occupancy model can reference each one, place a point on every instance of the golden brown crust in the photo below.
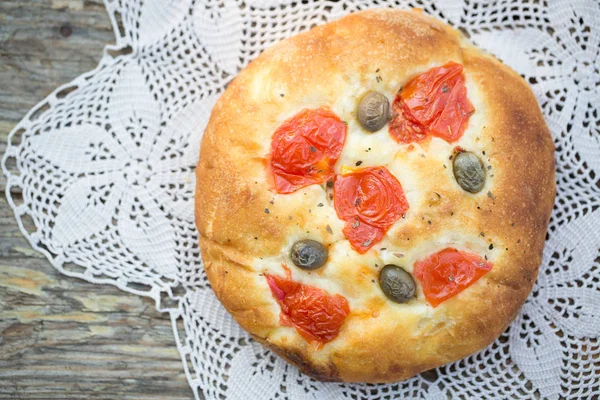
(379, 342)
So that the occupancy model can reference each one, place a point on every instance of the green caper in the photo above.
(308, 254)
(469, 171)
(397, 284)
(373, 111)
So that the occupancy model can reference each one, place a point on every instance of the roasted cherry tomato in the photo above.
(433, 103)
(448, 272)
(370, 200)
(403, 128)
(315, 314)
(305, 148)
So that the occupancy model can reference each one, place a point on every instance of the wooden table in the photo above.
(60, 337)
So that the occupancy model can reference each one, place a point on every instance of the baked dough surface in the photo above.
(247, 229)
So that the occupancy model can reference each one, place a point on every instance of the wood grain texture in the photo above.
(60, 337)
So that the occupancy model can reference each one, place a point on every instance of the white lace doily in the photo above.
(105, 165)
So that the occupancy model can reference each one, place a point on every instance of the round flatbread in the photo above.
(373, 197)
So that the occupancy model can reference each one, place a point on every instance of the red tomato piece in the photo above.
(403, 128)
(433, 103)
(305, 148)
(448, 272)
(362, 236)
(370, 200)
(316, 315)
(453, 120)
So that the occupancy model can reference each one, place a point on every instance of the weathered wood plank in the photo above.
(63, 338)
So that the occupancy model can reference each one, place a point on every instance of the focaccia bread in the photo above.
(373, 197)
